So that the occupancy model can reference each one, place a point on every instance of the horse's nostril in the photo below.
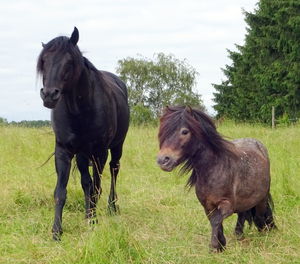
(166, 159)
(55, 94)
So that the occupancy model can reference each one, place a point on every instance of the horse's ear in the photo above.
(75, 36)
(43, 45)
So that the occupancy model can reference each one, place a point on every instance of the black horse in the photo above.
(90, 115)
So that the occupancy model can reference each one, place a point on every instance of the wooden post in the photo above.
(273, 117)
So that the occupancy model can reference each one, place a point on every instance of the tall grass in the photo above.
(160, 221)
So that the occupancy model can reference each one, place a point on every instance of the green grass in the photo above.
(160, 221)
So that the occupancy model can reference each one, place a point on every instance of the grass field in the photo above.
(160, 221)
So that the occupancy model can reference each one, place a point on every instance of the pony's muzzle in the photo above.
(50, 97)
(165, 162)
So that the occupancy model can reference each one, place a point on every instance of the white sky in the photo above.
(198, 30)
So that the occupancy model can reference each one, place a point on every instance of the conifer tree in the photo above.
(265, 71)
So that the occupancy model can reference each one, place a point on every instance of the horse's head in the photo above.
(60, 64)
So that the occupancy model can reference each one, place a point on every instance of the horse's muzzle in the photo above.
(50, 97)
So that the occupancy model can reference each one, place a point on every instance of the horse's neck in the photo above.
(80, 94)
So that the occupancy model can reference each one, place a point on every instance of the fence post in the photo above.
(273, 117)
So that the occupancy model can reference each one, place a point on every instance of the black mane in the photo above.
(60, 45)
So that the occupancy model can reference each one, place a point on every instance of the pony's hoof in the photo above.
(239, 235)
(216, 250)
(113, 209)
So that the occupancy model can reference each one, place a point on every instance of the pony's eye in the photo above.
(185, 132)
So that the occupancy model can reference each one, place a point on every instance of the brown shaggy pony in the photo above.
(229, 176)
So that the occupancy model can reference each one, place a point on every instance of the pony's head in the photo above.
(183, 133)
(60, 64)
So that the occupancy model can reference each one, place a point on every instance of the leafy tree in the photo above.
(32, 123)
(3, 121)
(265, 70)
(153, 84)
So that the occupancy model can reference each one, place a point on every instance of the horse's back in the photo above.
(117, 90)
(116, 83)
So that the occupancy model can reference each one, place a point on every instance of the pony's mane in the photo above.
(200, 124)
(59, 45)
(203, 131)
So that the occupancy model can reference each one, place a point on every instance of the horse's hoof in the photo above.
(92, 221)
(56, 236)
(113, 209)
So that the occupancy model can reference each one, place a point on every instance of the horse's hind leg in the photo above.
(98, 161)
(87, 184)
(114, 164)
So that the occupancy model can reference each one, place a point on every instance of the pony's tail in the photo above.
(264, 221)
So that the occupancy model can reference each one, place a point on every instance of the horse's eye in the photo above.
(185, 132)
(66, 72)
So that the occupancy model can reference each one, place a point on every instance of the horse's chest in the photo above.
(86, 140)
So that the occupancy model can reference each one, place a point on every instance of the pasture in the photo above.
(161, 222)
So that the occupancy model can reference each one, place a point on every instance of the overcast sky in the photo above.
(198, 30)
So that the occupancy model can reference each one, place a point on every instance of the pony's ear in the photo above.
(43, 45)
(189, 109)
(166, 110)
(75, 36)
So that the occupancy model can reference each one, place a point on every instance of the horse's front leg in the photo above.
(216, 217)
(62, 165)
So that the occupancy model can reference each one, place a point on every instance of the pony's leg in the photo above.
(221, 236)
(240, 225)
(216, 217)
(62, 165)
(114, 164)
(263, 218)
(86, 183)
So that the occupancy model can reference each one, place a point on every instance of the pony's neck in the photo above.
(206, 160)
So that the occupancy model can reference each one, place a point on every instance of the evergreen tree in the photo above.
(265, 72)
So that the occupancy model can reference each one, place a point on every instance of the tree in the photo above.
(3, 121)
(153, 84)
(265, 70)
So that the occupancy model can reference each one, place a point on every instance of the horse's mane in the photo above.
(204, 134)
(60, 45)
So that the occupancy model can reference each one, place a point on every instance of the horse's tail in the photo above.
(263, 221)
